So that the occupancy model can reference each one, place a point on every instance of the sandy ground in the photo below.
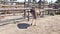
(46, 25)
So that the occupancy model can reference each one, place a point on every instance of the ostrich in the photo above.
(35, 13)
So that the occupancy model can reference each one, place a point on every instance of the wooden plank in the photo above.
(14, 9)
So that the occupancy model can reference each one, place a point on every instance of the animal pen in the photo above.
(26, 10)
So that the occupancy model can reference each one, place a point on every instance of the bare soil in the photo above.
(46, 25)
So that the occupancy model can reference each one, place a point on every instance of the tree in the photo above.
(41, 2)
(46, 2)
(58, 1)
(34, 0)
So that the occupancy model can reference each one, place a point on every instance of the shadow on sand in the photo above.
(23, 25)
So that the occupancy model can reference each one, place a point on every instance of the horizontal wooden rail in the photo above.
(14, 9)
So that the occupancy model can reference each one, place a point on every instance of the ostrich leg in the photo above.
(33, 23)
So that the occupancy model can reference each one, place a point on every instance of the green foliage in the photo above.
(41, 2)
(58, 1)
(34, 0)
(46, 2)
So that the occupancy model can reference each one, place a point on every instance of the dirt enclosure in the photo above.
(46, 25)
